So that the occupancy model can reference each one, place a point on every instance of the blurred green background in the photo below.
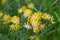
(52, 32)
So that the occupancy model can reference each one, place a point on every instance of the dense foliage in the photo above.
(17, 20)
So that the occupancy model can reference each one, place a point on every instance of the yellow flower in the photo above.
(34, 20)
(36, 29)
(41, 26)
(14, 27)
(20, 10)
(27, 25)
(31, 5)
(1, 14)
(38, 15)
(44, 15)
(48, 17)
(6, 18)
(52, 20)
(35, 23)
(35, 17)
(27, 12)
(3, 1)
(15, 20)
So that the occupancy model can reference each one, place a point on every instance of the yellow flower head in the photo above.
(36, 29)
(27, 12)
(3, 1)
(1, 14)
(44, 15)
(20, 10)
(35, 23)
(15, 20)
(41, 26)
(14, 27)
(6, 18)
(27, 25)
(52, 20)
(31, 5)
(38, 15)
(48, 17)
(35, 17)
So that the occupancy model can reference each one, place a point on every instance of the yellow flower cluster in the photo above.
(16, 23)
(35, 20)
(15, 20)
(47, 16)
(20, 10)
(6, 19)
(26, 10)
(27, 25)
(36, 16)
(14, 27)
